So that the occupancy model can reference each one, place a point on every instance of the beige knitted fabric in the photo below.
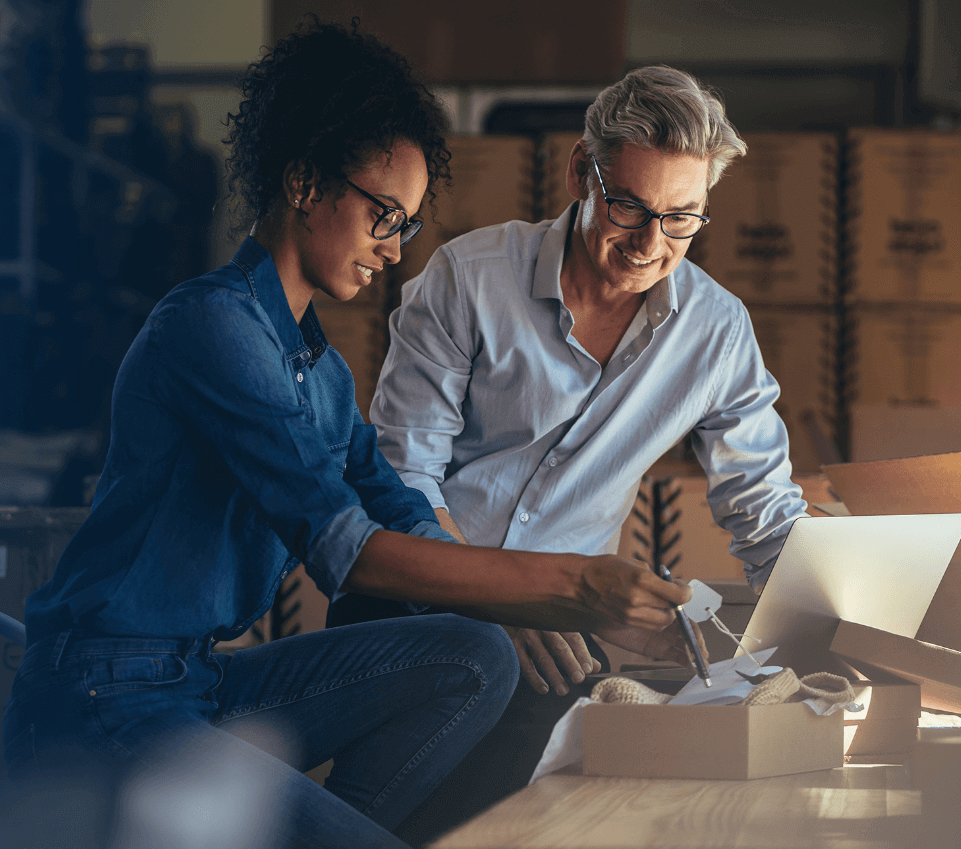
(774, 690)
(824, 685)
(624, 690)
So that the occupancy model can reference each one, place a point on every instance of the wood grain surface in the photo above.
(854, 807)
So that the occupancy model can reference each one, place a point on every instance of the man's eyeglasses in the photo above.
(632, 215)
(391, 220)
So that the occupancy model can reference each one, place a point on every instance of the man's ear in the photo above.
(578, 168)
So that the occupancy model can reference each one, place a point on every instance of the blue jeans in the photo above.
(161, 743)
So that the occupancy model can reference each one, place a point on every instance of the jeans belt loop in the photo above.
(59, 647)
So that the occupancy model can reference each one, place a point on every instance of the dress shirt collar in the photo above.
(661, 298)
(306, 341)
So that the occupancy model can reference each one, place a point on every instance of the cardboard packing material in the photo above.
(807, 403)
(892, 431)
(774, 221)
(888, 725)
(709, 741)
(906, 354)
(493, 182)
(873, 652)
(929, 484)
(903, 214)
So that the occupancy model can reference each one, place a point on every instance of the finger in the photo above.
(541, 644)
(563, 654)
(526, 662)
(583, 654)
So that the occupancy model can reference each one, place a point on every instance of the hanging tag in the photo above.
(704, 602)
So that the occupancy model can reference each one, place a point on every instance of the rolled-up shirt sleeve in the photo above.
(417, 405)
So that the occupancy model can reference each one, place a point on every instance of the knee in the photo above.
(492, 652)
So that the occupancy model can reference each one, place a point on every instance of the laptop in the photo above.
(880, 571)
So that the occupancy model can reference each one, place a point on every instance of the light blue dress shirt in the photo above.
(489, 405)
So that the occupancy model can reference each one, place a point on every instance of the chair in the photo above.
(13, 630)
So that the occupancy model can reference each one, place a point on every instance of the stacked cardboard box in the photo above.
(493, 182)
(902, 280)
(772, 241)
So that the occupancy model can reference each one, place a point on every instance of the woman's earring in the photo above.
(297, 202)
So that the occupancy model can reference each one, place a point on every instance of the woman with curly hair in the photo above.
(236, 452)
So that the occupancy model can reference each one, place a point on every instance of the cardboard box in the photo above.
(888, 725)
(493, 182)
(892, 431)
(808, 404)
(903, 216)
(773, 236)
(936, 669)
(709, 741)
(906, 355)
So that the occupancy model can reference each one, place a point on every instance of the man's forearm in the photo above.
(445, 520)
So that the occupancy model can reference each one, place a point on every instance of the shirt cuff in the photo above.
(332, 553)
(427, 485)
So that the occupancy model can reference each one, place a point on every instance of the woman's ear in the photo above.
(297, 189)
(578, 168)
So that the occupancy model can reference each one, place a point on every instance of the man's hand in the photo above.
(666, 644)
(540, 653)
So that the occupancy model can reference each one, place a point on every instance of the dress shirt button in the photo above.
(300, 377)
(627, 357)
(524, 517)
(552, 462)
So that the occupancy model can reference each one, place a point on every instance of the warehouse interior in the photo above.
(838, 230)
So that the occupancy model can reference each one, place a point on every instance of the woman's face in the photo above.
(336, 250)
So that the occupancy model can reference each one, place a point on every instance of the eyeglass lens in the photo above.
(632, 216)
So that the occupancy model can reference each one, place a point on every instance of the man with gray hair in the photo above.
(537, 371)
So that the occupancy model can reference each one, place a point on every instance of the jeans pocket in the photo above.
(123, 674)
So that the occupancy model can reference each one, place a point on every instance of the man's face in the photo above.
(634, 260)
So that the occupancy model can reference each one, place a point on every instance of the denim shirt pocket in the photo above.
(338, 454)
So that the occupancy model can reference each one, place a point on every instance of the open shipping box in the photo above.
(751, 742)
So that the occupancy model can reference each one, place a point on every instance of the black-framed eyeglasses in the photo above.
(632, 215)
(391, 220)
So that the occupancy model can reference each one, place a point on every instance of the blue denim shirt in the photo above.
(236, 451)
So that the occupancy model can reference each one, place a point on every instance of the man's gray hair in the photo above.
(661, 108)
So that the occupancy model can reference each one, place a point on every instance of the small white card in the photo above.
(704, 602)
(727, 686)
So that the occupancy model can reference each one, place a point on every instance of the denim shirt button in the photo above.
(300, 377)
(305, 355)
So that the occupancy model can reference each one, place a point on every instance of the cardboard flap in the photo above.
(930, 484)
(936, 669)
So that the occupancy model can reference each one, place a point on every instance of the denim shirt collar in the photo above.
(304, 342)
(661, 298)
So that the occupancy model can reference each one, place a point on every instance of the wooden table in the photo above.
(852, 807)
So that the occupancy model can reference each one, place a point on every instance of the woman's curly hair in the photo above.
(330, 99)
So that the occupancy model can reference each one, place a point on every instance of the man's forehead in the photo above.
(635, 169)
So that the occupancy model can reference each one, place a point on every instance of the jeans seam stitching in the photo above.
(330, 686)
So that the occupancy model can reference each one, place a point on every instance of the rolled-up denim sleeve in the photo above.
(417, 405)
(742, 444)
(228, 379)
